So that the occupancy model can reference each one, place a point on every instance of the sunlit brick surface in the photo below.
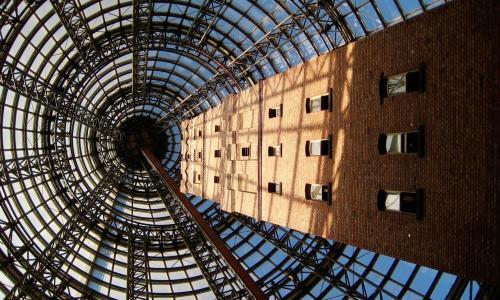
(458, 172)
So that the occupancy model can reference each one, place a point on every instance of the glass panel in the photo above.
(396, 84)
(315, 104)
(392, 202)
(317, 191)
(393, 143)
(315, 147)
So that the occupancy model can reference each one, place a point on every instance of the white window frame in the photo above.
(277, 110)
(276, 149)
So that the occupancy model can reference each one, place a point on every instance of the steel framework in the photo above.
(77, 222)
(226, 277)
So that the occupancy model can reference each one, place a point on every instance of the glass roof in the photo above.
(105, 66)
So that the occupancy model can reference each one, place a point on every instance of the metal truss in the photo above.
(43, 93)
(315, 258)
(44, 274)
(138, 269)
(92, 196)
(242, 66)
(70, 15)
(207, 15)
(142, 15)
(70, 185)
(224, 281)
(19, 169)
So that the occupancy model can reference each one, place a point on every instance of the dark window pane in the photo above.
(326, 193)
(412, 81)
(271, 151)
(411, 139)
(325, 102)
(408, 203)
(325, 147)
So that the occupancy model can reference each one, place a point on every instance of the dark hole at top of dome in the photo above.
(139, 132)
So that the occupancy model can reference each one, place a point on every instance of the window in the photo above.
(199, 133)
(187, 155)
(245, 151)
(274, 187)
(319, 192)
(319, 103)
(319, 147)
(274, 150)
(402, 83)
(217, 153)
(276, 111)
(216, 179)
(199, 155)
(403, 202)
(404, 142)
(217, 128)
(196, 177)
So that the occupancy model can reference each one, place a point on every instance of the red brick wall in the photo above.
(458, 174)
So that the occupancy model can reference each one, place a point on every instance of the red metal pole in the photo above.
(250, 285)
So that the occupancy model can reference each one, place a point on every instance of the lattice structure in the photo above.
(77, 222)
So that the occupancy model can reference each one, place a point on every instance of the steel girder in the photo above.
(207, 16)
(45, 275)
(19, 169)
(69, 185)
(222, 279)
(13, 18)
(137, 269)
(243, 65)
(313, 258)
(141, 23)
(53, 98)
(121, 41)
(70, 15)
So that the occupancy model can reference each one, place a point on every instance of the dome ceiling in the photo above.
(84, 84)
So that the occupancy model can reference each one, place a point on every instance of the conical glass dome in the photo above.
(85, 84)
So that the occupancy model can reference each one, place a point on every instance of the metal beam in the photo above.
(210, 252)
(39, 91)
(141, 24)
(137, 269)
(70, 15)
(319, 258)
(249, 59)
(45, 275)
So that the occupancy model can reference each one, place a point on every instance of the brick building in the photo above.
(389, 143)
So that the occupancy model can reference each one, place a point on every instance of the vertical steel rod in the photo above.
(244, 276)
